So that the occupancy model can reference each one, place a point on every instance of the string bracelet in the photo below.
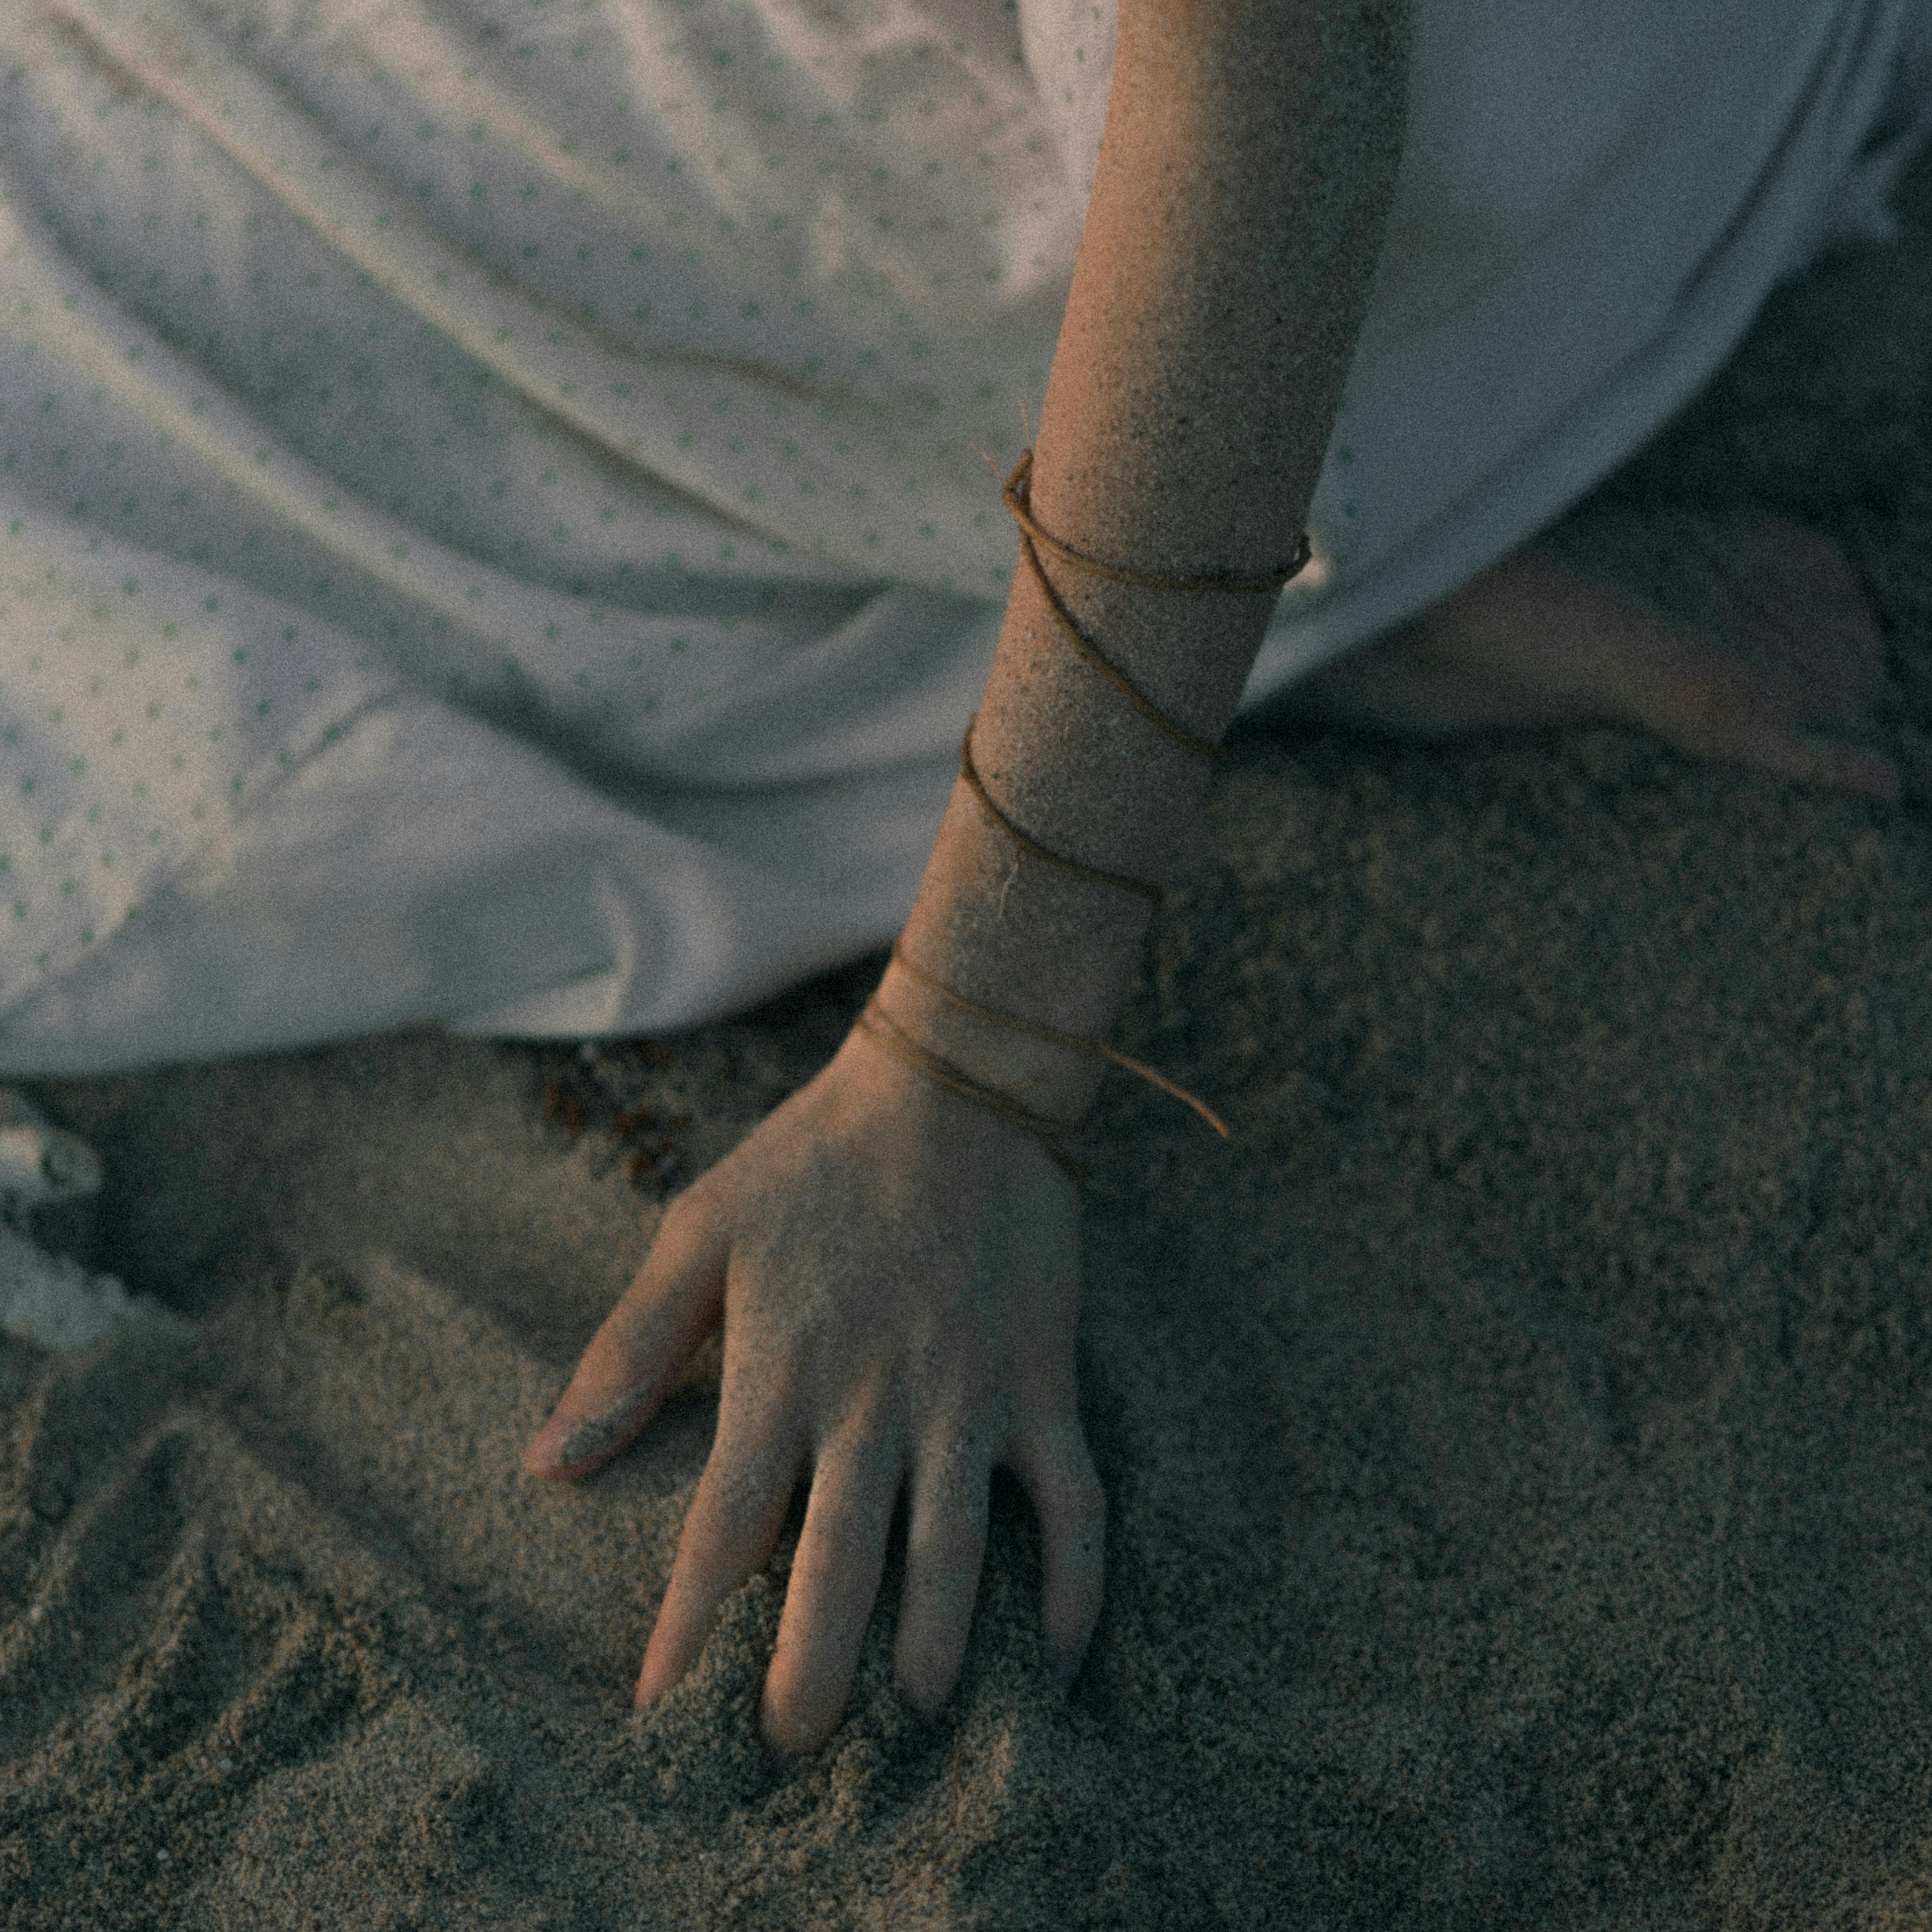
(970, 772)
(894, 1039)
(1204, 748)
(1018, 490)
(874, 1018)
(1017, 495)
(1096, 1049)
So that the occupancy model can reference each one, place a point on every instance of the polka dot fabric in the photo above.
(604, 373)
(581, 400)
(771, 266)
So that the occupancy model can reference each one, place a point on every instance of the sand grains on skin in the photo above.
(1517, 1445)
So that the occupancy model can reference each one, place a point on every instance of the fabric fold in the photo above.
(495, 523)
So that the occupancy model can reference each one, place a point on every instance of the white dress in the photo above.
(491, 524)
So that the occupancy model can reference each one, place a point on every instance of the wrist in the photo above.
(1041, 948)
(1008, 1054)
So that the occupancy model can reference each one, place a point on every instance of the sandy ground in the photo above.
(1517, 1442)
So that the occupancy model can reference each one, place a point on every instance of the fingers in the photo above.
(835, 1581)
(1072, 1507)
(733, 1525)
(729, 1534)
(945, 1547)
(621, 1377)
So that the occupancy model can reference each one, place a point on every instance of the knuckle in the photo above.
(707, 1538)
(958, 1462)
(733, 1497)
(684, 1218)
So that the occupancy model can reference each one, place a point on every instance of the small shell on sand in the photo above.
(38, 1163)
(54, 1303)
(47, 1299)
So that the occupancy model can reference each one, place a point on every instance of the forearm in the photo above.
(897, 1274)
(1248, 156)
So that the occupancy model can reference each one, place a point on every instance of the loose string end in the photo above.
(1098, 1049)
(987, 461)
(1155, 1079)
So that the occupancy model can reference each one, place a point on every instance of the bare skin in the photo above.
(895, 1267)
(1793, 683)
(897, 1270)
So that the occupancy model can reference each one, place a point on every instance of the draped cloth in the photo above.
(492, 523)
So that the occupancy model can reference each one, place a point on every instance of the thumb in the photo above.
(634, 1357)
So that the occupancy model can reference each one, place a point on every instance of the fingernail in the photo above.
(540, 1458)
(562, 1445)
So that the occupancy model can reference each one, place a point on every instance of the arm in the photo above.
(896, 1266)
(1248, 156)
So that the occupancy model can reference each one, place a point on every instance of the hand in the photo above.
(897, 1270)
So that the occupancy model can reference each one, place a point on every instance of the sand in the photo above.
(1519, 1442)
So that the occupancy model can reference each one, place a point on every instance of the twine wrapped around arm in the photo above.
(1018, 490)
(1097, 1049)
(887, 1031)
(1031, 846)
(942, 1072)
